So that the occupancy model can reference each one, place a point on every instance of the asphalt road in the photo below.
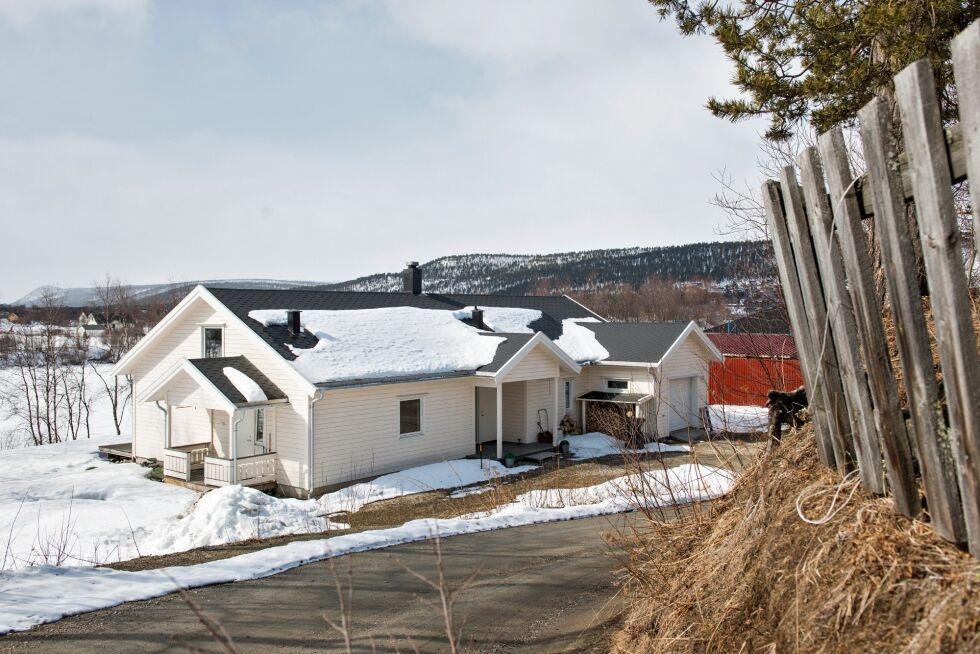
(543, 588)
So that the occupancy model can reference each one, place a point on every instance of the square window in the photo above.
(410, 416)
(212, 347)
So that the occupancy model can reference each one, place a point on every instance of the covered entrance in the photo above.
(219, 422)
(518, 397)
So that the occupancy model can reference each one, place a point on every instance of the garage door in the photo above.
(680, 396)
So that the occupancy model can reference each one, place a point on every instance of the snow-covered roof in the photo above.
(387, 342)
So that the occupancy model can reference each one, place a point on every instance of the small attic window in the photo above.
(211, 342)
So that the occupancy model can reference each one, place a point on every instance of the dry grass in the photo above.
(752, 576)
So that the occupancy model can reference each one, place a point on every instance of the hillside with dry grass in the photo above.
(751, 575)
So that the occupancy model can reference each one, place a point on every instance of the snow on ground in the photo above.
(44, 594)
(594, 445)
(579, 342)
(244, 385)
(62, 503)
(386, 342)
(448, 474)
(506, 320)
(738, 419)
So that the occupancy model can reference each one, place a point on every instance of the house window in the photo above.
(260, 426)
(617, 385)
(212, 346)
(568, 396)
(410, 417)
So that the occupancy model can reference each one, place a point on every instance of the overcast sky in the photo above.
(177, 140)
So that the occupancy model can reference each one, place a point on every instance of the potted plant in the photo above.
(564, 447)
(509, 459)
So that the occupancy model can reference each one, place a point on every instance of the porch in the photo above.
(194, 466)
(218, 430)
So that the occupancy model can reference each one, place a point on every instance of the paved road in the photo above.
(543, 588)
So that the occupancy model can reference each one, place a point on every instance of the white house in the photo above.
(309, 390)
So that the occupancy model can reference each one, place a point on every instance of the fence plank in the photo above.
(805, 343)
(901, 281)
(931, 182)
(843, 325)
(828, 369)
(966, 67)
(899, 464)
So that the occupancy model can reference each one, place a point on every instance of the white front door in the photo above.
(680, 403)
(254, 432)
(486, 414)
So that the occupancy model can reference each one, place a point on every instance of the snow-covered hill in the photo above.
(81, 296)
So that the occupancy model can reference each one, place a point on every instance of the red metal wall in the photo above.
(746, 381)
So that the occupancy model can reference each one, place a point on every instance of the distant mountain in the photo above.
(83, 296)
(726, 264)
(719, 262)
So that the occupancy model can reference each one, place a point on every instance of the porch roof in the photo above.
(213, 370)
(616, 398)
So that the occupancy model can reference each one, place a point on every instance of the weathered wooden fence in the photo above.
(816, 219)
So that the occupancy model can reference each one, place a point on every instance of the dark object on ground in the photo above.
(785, 408)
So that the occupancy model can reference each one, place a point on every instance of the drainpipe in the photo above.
(309, 446)
(234, 445)
(166, 425)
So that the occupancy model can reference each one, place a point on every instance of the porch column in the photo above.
(500, 421)
(233, 446)
(585, 405)
(169, 436)
(554, 428)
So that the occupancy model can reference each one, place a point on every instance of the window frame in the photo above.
(568, 394)
(204, 340)
(609, 389)
(412, 398)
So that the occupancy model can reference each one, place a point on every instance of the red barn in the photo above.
(754, 364)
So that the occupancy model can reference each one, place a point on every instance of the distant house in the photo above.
(308, 390)
(754, 364)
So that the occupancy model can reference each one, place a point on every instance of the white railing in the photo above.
(252, 470)
(178, 462)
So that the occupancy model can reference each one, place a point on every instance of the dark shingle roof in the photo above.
(645, 342)
(554, 309)
(506, 350)
(213, 369)
(617, 398)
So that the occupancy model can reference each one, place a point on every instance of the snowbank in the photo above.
(579, 342)
(508, 320)
(245, 385)
(235, 513)
(595, 444)
(738, 419)
(44, 594)
(386, 342)
(448, 474)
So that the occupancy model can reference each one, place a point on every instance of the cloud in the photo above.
(24, 13)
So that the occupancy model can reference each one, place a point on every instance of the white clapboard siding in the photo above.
(183, 340)
(357, 429)
(690, 359)
(540, 363)
(540, 395)
(514, 407)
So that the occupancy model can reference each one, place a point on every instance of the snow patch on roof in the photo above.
(245, 385)
(385, 342)
(579, 342)
(508, 320)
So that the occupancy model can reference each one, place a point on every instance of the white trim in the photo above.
(606, 380)
(596, 315)
(628, 364)
(538, 339)
(409, 398)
